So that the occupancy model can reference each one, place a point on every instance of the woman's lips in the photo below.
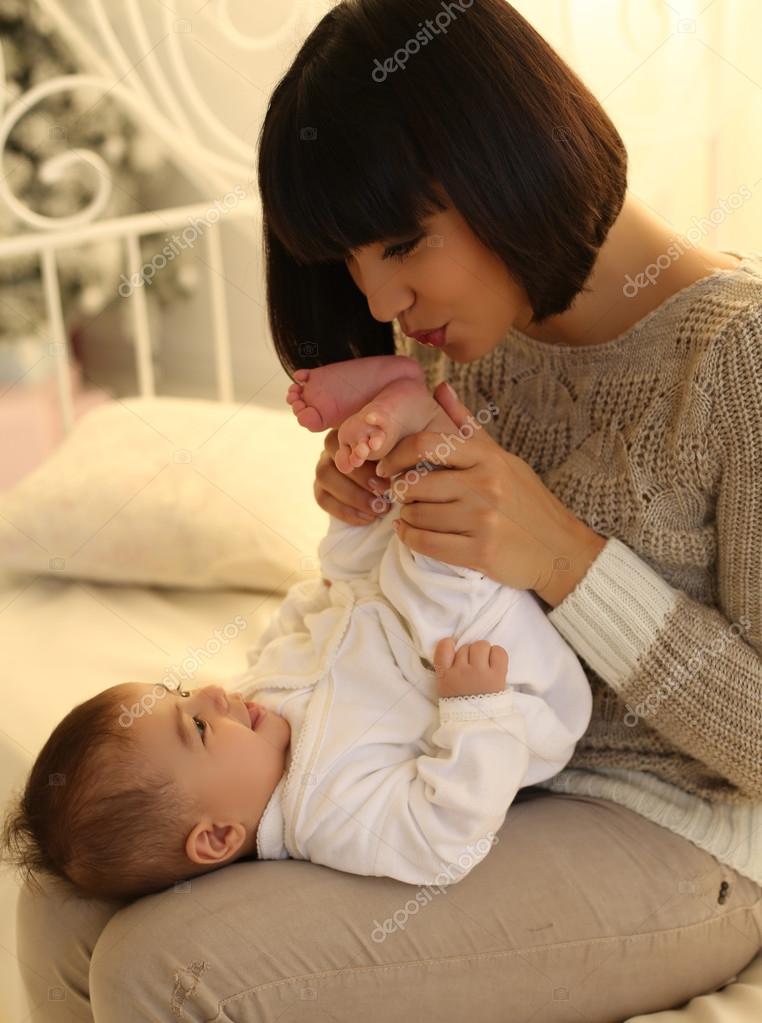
(436, 339)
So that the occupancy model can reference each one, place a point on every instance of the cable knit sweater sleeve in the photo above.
(693, 672)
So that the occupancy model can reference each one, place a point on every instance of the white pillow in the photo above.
(172, 492)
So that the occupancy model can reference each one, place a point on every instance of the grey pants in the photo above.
(583, 910)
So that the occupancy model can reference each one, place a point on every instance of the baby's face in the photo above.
(205, 740)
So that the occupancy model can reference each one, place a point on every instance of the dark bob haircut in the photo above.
(386, 100)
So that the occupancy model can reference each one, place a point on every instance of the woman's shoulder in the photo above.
(731, 309)
(708, 311)
(738, 290)
(730, 365)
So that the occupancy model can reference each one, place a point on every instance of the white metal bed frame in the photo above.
(159, 109)
(129, 229)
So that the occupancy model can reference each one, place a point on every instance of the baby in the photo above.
(358, 737)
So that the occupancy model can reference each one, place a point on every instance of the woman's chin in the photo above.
(458, 353)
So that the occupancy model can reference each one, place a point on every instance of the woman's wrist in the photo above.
(569, 571)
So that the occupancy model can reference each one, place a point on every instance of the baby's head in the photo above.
(142, 786)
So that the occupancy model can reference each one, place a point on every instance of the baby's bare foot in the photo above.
(401, 408)
(310, 408)
(378, 426)
(323, 397)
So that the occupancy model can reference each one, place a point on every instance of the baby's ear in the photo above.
(214, 843)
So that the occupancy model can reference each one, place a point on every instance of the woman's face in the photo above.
(447, 277)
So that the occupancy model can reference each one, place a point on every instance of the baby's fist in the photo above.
(474, 669)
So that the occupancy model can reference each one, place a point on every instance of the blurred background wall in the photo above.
(681, 80)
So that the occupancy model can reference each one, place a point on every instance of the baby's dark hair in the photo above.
(94, 813)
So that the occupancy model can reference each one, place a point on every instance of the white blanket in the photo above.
(382, 777)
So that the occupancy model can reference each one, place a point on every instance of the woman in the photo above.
(424, 164)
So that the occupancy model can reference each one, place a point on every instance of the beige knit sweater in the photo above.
(655, 441)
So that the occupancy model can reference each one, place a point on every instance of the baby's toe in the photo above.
(302, 375)
(341, 460)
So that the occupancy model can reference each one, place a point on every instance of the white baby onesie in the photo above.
(383, 777)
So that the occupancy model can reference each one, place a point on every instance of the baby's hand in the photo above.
(474, 669)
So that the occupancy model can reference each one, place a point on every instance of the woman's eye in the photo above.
(200, 721)
(400, 251)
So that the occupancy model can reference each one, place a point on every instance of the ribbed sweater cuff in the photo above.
(615, 613)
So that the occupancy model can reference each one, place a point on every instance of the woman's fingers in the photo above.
(331, 442)
(417, 448)
(346, 496)
(347, 513)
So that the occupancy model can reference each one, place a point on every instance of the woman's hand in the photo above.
(491, 512)
(344, 496)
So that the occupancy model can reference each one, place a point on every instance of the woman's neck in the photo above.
(619, 294)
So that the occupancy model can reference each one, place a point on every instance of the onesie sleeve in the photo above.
(353, 552)
(443, 810)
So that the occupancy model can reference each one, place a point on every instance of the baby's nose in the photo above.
(220, 697)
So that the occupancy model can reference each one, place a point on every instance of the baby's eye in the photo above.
(200, 721)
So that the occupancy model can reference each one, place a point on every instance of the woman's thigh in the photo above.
(582, 910)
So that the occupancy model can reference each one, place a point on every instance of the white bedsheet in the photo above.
(62, 641)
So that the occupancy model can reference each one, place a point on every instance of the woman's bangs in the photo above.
(334, 197)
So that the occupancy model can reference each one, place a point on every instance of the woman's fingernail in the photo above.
(380, 471)
(368, 518)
